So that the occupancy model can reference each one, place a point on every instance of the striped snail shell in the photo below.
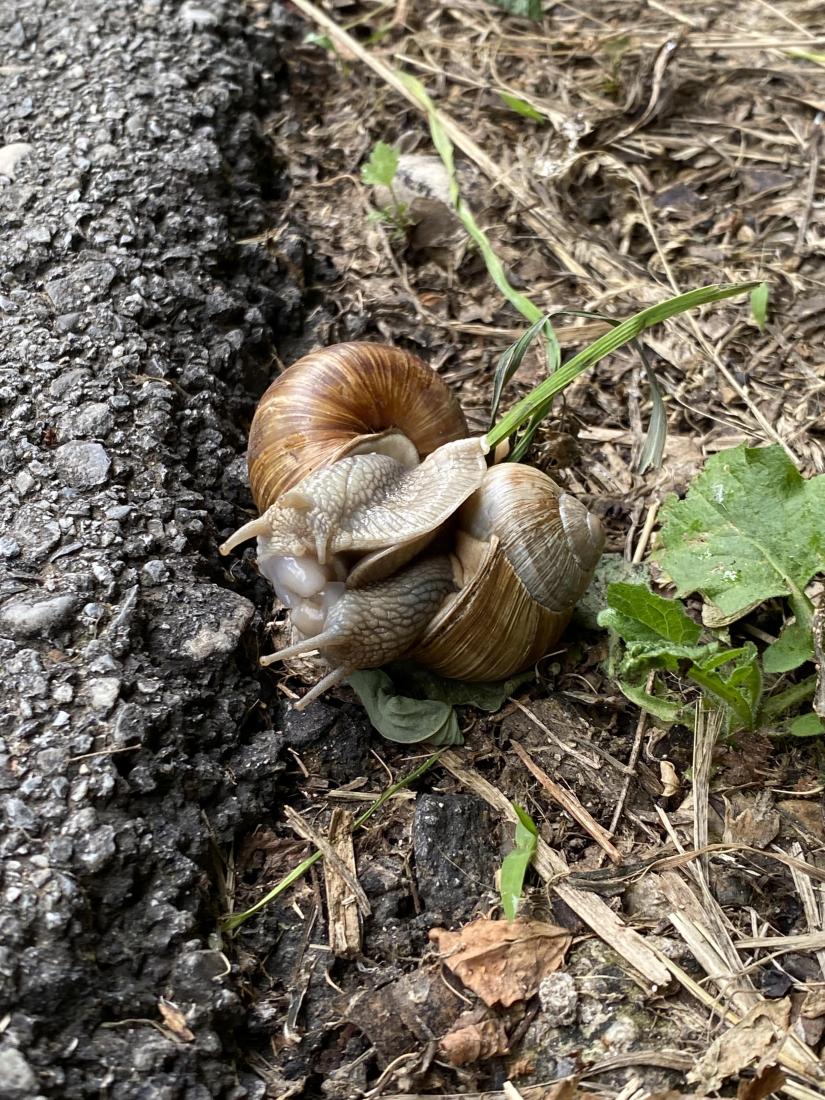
(386, 533)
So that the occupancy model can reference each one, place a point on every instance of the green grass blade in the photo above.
(298, 872)
(654, 445)
(513, 357)
(540, 400)
(495, 268)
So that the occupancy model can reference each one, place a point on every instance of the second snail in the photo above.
(386, 532)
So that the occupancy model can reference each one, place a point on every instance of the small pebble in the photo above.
(25, 617)
(83, 465)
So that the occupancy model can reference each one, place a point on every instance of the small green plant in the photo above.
(515, 863)
(380, 171)
(750, 529)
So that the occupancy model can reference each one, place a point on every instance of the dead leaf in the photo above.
(754, 1042)
(771, 1079)
(751, 819)
(565, 1089)
(472, 1040)
(670, 780)
(503, 962)
(802, 815)
(175, 1020)
(814, 1004)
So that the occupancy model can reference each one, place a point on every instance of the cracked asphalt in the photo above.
(134, 335)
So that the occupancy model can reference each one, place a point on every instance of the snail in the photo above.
(386, 533)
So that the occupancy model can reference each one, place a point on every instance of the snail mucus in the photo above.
(387, 533)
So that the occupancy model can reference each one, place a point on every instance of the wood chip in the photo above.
(344, 916)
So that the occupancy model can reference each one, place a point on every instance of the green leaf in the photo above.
(515, 863)
(408, 704)
(400, 718)
(759, 304)
(740, 691)
(527, 9)
(654, 445)
(313, 39)
(807, 725)
(642, 616)
(666, 710)
(380, 169)
(792, 648)
(789, 699)
(612, 569)
(412, 679)
(751, 527)
(657, 632)
(522, 107)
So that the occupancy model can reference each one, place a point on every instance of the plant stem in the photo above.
(785, 700)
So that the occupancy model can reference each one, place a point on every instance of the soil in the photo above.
(184, 213)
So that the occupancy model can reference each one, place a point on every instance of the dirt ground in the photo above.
(679, 145)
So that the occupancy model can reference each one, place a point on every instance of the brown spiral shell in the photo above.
(524, 549)
(324, 404)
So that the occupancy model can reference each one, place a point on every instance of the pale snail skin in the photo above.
(386, 534)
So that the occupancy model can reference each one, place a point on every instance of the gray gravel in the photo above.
(134, 335)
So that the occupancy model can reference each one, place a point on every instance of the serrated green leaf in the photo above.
(759, 304)
(792, 648)
(522, 107)
(640, 657)
(515, 863)
(646, 617)
(807, 725)
(612, 569)
(751, 527)
(380, 169)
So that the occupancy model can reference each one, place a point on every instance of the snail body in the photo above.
(385, 534)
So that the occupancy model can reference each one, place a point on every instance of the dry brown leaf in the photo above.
(802, 815)
(503, 962)
(175, 1020)
(670, 780)
(754, 1042)
(751, 819)
(470, 1040)
(563, 1090)
(813, 1007)
(771, 1079)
